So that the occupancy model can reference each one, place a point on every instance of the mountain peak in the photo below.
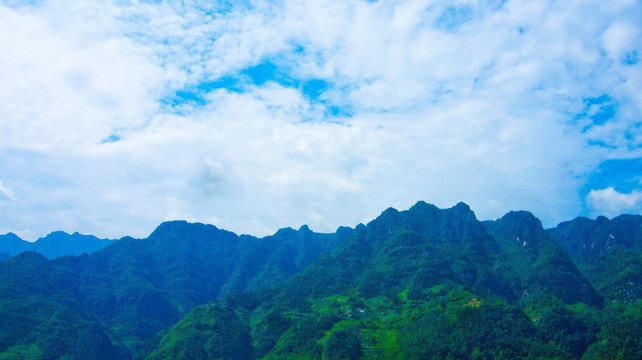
(462, 206)
(521, 217)
(54, 235)
(600, 220)
(462, 210)
(423, 209)
(180, 226)
(422, 205)
(390, 211)
(10, 236)
(286, 231)
(12, 244)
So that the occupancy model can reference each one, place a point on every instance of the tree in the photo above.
(343, 345)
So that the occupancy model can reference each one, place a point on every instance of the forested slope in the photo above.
(135, 288)
(607, 252)
(425, 283)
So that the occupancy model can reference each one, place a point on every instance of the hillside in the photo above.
(607, 252)
(416, 284)
(135, 288)
(429, 283)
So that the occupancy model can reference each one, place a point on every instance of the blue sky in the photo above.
(257, 115)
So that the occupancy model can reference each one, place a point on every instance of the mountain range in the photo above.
(54, 245)
(425, 283)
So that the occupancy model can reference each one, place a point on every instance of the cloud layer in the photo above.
(611, 202)
(117, 115)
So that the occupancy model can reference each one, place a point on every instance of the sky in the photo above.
(118, 115)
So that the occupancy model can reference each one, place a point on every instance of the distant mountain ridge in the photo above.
(56, 244)
(12, 244)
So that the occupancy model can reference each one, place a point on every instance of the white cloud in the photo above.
(6, 193)
(611, 202)
(481, 112)
(620, 39)
(61, 89)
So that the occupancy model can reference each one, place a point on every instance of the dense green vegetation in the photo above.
(214, 331)
(42, 313)
(425, 283)
(607, 252)
(134, 290)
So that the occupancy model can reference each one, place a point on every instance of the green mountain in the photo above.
(607, 252)
(425, 283)
(534, 264)
(431, 283)
(426, 246)
(214, 331)
(42, 315)
(136, 288)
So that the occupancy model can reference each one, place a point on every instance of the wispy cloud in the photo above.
(256, 115)
(6, 193)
